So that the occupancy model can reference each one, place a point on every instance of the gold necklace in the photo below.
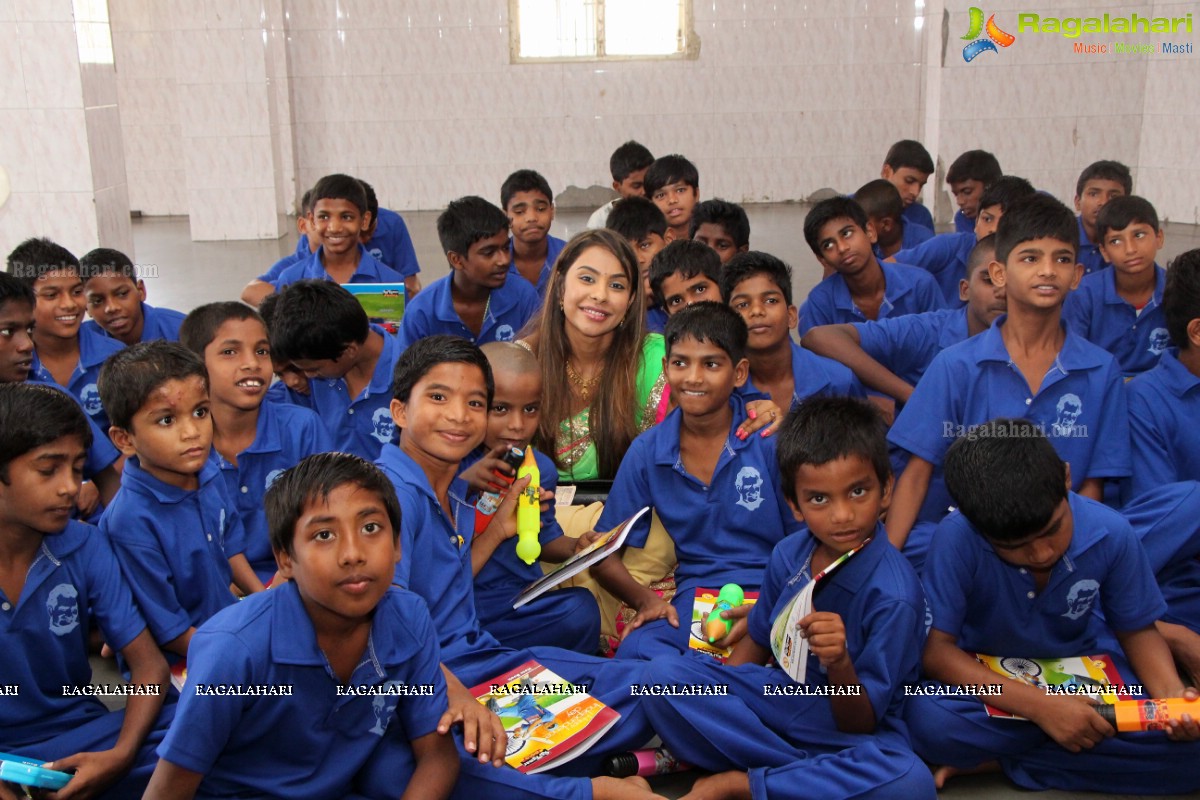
(584, 386)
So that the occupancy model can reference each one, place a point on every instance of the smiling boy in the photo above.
(116, 300)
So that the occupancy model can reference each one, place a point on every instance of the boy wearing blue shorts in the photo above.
(860, 287)
(907, 166)
(174, 527)
(526, 198)
(323, 330)
(969, 175)
(57, 576)
(644, 226)
(716, 494)
(721, 225)
(290, 693)
(476, 300)
(1022, 571)
(1099, 183)
(1120, 309)
(758, 286)
(254, 441)
(116, 300)
(839, 732)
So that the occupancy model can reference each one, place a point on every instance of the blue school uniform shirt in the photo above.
(917, 214)
(360, 425)
(910, 236)
(963, 223)
(284, 435)
(509, 307)
(94, 349)
(879, 598)
(308, 745)
(945, 258)
(369, 270)
(391, 245)
(435, 555)
(102, 454)
(1099, 314)
(74, 578)
(907, 290)
(174, 547)
(656, 319)
(157, 323)
(1164, 406)
(813, 374)
(724, 530)
(280, 393)
(994, 607)
(555, 246)
(272, 275)
(906, 345)
(1089, 253)
(1080, 406)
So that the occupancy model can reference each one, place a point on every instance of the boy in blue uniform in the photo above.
(355, 658)
(842, 736)
(442, 389)
(177, 532)
(644, 226)
(116, 300)
(56, 577)
(1021, 571)
(324, 331)
(476, 300)
(628, 165)
(721, 225)
(567, 618)
(1027, 364)
(685, 272)
(969, 175)
(1099, 182)
(292, 385)
(885, 211)
(258, 290)
(861, 287)
(716, 493)
(758, 286)
(1120, 309)
(907, 166)
(526, 198)
(254, 441)
(891, 355)
(66, 353)
(673, 183)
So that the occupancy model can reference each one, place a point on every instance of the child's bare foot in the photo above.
(945, 773)
(632, 788)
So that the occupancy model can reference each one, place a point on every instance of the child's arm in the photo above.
(612, 574)
(108, 480)
(748, 651)
(732, 785)
(180, 644)
(1070, 720)
(256, 291)
(907, 498)
(437, 768)
(826, 634)
(842, 343)
(244, 577)
(97, 770)
(478, 724)
(502, 527)
(1154, 666)
(172, 782)
(1093, 489)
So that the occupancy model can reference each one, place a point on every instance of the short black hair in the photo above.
(629, 158)
(306, 203)
(909, 153)
(340, 187)
(984, 252)
(1121, 212)
(1035, 217)
(13, 289)
(524, 180)
(687, 257)
(1004, 191)
(317, 320)
(33, 415)
(426, 353)
(200, 327)
(825, 212)
(1006, 478)
(670, 169)
(33, 258)
(636, 218)
(880, 199)
(1181, 296)
(372, 200)
(729, 216)
(105, 260)
(716, 323)
(1105, 171)
(824, 428)
(755, 262)
(315, 478)
(130, 376)
(266, 309)
(466, 221)
(974, 165)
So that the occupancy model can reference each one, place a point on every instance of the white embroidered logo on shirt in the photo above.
(382, 706)
(504, 333)
(749, 488)
(272, 476)
(1069, 408)
(1160, 340)
(385, 427)
(63, 606)
(90, 398)
(1081, 597)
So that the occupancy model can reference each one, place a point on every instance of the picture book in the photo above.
(383, 302)
(549, 720)
(701, 607)
(30, 772)
(1088, 676)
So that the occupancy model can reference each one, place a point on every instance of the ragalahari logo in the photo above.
(995, 36)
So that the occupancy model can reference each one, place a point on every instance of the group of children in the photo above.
(308, 557)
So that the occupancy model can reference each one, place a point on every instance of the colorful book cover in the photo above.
(701, 607)
(549, 721)
(383, 302)
(1086, 676)
(179, 675)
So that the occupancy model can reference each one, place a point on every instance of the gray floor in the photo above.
(190, 274)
